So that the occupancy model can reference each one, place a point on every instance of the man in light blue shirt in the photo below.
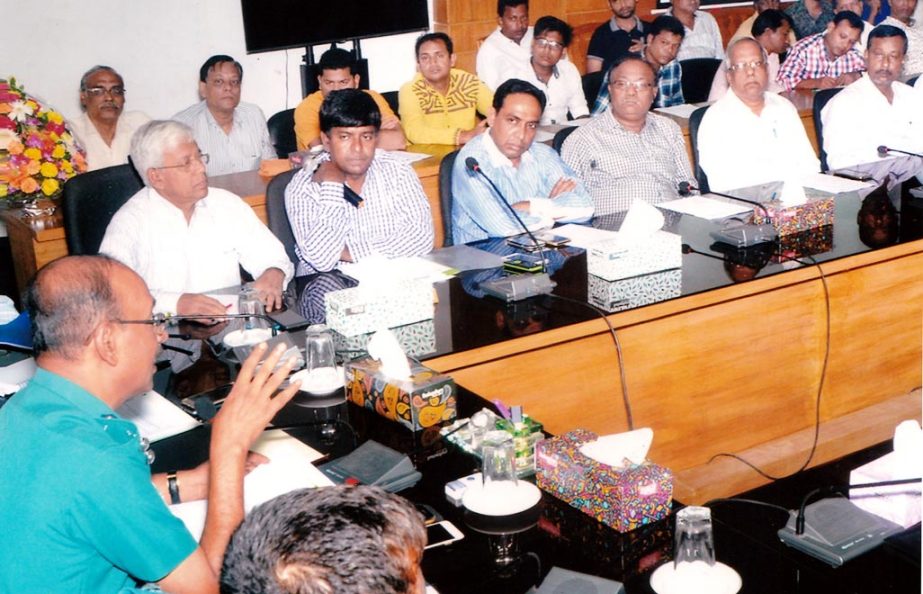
(522, 170)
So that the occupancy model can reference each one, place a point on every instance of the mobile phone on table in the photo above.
(523, 263)
(524, 242)
(440, 534)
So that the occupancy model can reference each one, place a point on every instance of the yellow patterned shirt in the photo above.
(429, 117)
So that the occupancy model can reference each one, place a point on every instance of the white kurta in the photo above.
(100, 154)
(500, 58)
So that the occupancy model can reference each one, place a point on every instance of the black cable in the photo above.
(839, 490)
(712, 502)
(618, 349)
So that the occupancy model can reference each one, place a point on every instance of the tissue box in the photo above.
(804, 243)
(623, 498)
(817, 211)
(633, 292)
(660, 251)
(362, 310)
(898, 503)
(426, 399)
(417, 339)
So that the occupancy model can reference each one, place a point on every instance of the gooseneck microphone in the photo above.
(841, 489)
(884, 150)
(472, 165)
(685, 188)
(273, 325)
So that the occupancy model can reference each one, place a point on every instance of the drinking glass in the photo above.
(320, 359)
(499, 460)
(249, 303)
(692, 537)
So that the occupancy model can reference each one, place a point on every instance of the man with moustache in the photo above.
(507, 49)
(104, 129)
(620, 35)
(825, 60)
(902, 17)
(759, 6)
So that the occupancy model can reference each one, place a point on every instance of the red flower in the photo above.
(7, 123)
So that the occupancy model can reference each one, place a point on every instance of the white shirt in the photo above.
(719, 85)
(563, 93)
(703, 40)
(100, 154)
(241, 150)
(913, 60)
(499, 57)
(738, 148)
(151, 236)
(859, 119)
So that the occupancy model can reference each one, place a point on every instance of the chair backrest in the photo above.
(560, 136)
(276, 215)
(591, 84)
(392, 98)
(90, 201)
(820, 100)
(282, 133)
(912, 81)
(445, 196)
(698, 74)
(694, 120)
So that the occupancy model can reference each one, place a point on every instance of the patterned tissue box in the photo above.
(418, 340)
(816, 212)
(609, 261)
(623, 498)
(804, 243)
(628, 293)
(359, 310)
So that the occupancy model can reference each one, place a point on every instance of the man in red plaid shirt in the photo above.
(825, 60)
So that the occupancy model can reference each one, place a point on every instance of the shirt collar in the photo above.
(210, 117)
(170, 207)
(73, 393)
(614, 27)
(498, 159)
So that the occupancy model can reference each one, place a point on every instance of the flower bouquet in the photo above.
(37, 151)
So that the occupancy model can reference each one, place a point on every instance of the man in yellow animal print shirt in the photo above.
(440, 105)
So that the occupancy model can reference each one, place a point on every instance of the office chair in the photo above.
(913, 80)
(392, 98)
(445, 196)
(90, 201)
(560, 136)
(276, 215)
(591, 85)
(698, 74)
(282, 133)
(694, 120)
(820, 100)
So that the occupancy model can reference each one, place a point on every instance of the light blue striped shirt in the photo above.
(241, 150)
(476, 209)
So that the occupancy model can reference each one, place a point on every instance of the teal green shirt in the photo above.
(78, 512)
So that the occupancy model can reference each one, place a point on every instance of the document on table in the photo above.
(705, 207)
(464, 257)
(833, 184)
(156, 417)
(682, 111)
(377, 269)
(289, 468)
(408, 157)
(583, 236)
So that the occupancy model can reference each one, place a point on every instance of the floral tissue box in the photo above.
(361, 310)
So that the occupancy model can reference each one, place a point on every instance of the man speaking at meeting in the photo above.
(185, 238)
(751, 136)
(521, 169)
(77, 496)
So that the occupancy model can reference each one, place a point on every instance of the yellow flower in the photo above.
(67, 167)
(3, 191)
(50, 187)
(55, 117)
(48, 169)
(32, 153)
(59, 152)
(32, 104)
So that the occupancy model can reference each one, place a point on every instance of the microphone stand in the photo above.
(831, 489)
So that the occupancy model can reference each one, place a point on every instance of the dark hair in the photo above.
(437, 36)
(850, 17)
(219, 59)
(667, 23)
(333, 539)
(883, 31)
(514, 85)
(502, 4)
(336, 59)
(628, 58)
(98, 68)
(550, 23)
(348, 108)
(770, 19)
(67, 300)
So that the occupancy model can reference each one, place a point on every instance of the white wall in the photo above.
(158, 47)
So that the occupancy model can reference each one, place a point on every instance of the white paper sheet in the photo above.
(548, 208)
(464, 257)
(156, 417)
(15, 377)
(395, 270)
(683, 111)
(583, 236)
(832, 183)
(408, 157)
(704, 207)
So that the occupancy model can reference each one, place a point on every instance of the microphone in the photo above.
(685, 188)
(833, 489)
(273, 324)
(884, 150)
(742, 235)
(472, 165)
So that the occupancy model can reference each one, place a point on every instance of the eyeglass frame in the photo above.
(751, 65)
(101, 91)
(159, 321)
(202, 158)
(638, 85)
(549, 43)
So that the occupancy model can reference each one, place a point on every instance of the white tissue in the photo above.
(384, 347)
(642, 221)
(793, 193)
(620, 449)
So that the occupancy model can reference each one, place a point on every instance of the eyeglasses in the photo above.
(100, 91)
(188, 163)
(220, 82)
(754, 65)
(548, 44)
(158, 321)
(637, 85)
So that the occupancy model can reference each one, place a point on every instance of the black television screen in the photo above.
(278, 24)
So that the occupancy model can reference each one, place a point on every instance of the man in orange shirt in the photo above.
(338, 71)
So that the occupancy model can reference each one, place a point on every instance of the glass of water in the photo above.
(692, 537)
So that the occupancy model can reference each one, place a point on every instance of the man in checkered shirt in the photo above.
(826, 60)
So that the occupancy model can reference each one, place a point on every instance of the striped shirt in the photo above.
(809, 60)
(669, 89)
(241, 150)
(394, 219)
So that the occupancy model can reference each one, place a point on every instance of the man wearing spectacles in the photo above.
(751, 136)
(77, 494)
(186, 239)
(558, 79)
(104, 129)
(772, 29)
(234, 134)
(628, 153)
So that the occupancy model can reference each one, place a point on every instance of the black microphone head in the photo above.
(883, 150)
(471, 164)
(687, 249)
(685, 188)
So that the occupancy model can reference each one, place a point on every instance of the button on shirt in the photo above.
(499, 57)
(563, 92)
(100, 154)
(618, 165)
(152, 237)
(809, 60)
(394, 218)
(738, 148)
(242, 150)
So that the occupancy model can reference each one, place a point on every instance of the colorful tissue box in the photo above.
(425, 400)
(418, 339)
(804, 243)
(628, 293)
(816, 212)
(362, 310)
(623, 498)
(609, 261)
